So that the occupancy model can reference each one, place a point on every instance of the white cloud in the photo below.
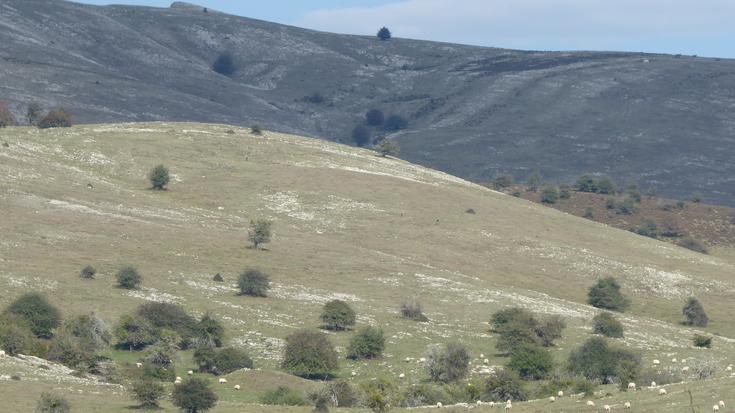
(651, 25)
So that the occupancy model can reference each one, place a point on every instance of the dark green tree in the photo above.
(374, 117)
(504, 385)
(550, 195)
(694, 313)
(209, 331)
(368, 343)
(361, 135)
(88, 272)
(607, 325)
(128, 278)
(259, 232)
(532, 362)
(57, 118)
(254, 283)
(194, 395)
(606, 294)
(384, 34)
(159, 177)
(395, 123)
(309, 354)
(448, 364)
(224, 64)
(337, 315)
(534, 181)
(147, 392)
(33, 113)
(41, 316)
(586, 183)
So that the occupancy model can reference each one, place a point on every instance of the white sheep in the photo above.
(439, 405)
(715, 408)
(401, 376)
(353, 374)
(482, 356)
(673, 360)
(560, 394)
(606, 407)
(552, 399)
(178, 378)
(492, 404)
(422, 360)
(486, 361)
(685, 369)
(2, 353)
(721, 403)
(237, 387)
(479, 403)
(626, 405)
(656, 362)
(653, 384)
(661, 392)
(222, 381)
(190, 372)
(631, 386)
(508, 406)
(590, 403)
(177, 382)
(729, 368)
(138, 365)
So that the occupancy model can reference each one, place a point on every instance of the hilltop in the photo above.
(347, 224)
(659, 121)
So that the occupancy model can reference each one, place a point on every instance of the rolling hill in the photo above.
(661, 121)
(347, 224)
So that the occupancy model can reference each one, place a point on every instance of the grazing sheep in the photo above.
(353, 374)
(237, 387)
(2, 353)
(729, 368)
(626, 405)
(560, 394)
(508, 405)
(422, 360)
(479, 402)
(486, 361)
(656, 362)
(177, 382)
(606, 407)
(590, 403)
(631, 386)
(673, 360)
(178, 378)
(482, 356)
(685, 369)
(401, 376)
(552, 399)
(653, 384)
(492, 404)
(715, 408)
(190, 372)
(721, 403)
(222, 381)
(661, 392)
(439, 405)
(138, 365)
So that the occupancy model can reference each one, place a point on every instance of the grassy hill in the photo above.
(347, 224)
(660, 121)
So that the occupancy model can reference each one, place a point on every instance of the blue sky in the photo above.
(701, 27)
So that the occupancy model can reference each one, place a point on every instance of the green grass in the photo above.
(347, 224)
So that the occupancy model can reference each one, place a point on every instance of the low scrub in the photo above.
(283, 396)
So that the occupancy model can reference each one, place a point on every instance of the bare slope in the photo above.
(661, 121)
(348, 224)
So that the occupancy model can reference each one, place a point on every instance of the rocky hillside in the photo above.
(657, 120)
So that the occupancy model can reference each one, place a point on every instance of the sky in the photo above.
(693, 27)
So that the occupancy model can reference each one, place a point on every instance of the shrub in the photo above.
(6, 117)
(424, 394)
(208, 332)
(147, 393)
(309, 354)
(135, 333)
(694, 245)
(259, 232)
(315, 98)
(341, 393)
(16, 336)
(256, 130)
(595, 359)
(224, 64)
(284, 396)
(586, 183)
(648, 228)
(230, 359)
(388, 147)
(395, 123)
(33, 113)
(368, 343)
(605, 185)
(550, 329)
(607, 325)
(504, 385)
(661, 377)
(72, 351)
(697, 197)
(384, 33)
(503, 182)
(57, 118)
(337, 315)
(204, 358)
(218, 277)
(531, 362)
(585, 386)
(380, 395)
(589, 213)
(193, 395)
(254, 283)
(702, 341)
(516, 326)
(320, 399)
(374, 117)
(694, 313)
(448, 364)
(549, 195)
(168, 316)
(565, 192)
(52, 403)
(41, 316)
(412, 310)
(88, 272)
(533, 181)
(159, 177)
(361, 135)
(606, 294)
(128, 278)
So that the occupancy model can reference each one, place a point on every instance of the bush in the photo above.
(531, 362)
(606, 294)
(565, 192)
(533, 181)
(549, 195)
(208, 332)
(550, 329)
(218, 277)
(388, 147)
(309, 354)
(694, 313)
(230, 359)
(256, 130)
(254, 283)
(425, 394)
(337, 315)
(259, 232)
(586, 183)
(147, 393)
(341, 393)
(135, 333)
(6, 117)
(78, 341)
(315, 98)
(368, 343)
(412, 310)
(584, 386)
(167, 316)
(380, 395)
(694, 245)
(384, 33)
(596, 360)
(504, 385)
(503, 181)
(57, 118)
(361, 135)
(33, 113)
(128, 278)
(41, 316)
(516, 327)
(395, 123)
(606, 186)
(159, 177)
(283, 396)
(589, 213)
(648, 228)
(52, 403)
(194, 395)
(448, 364)
(661, 377)
(224, 64)
(88, 272)
(607, 325)
(16, 336)
(702, 341)
(374, 117)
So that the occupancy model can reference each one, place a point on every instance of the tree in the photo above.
(33, 113)
(283, 396)
(16, 336)
(209, 332)
(88, 272)
(230, 359)
(648, 228)
(128, 278)
(56, 118)
(607, 325)
(337, 315)
(194, 396)
(384, 33)
(361, 135)
(694, 313)
(412, 310)
(254, 283)
(606, 294)
(135, 332)
(374, 117)
(605, 185)
(550, 329)
(309, 354)
(395, 122)
(516, 327)
(448, 364)
(550, 195)
(702, 341)
(534, 180)
(256, 130)
(41, 316)
(504, 385)
(368, 343)
(531, 362)
(168, 316)
(259, 232)
(159, 177)
(596, 360)
(586, 183)
(224, 64)
(52, 403)
(6, 116)
(388, 147)
(148, 393)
